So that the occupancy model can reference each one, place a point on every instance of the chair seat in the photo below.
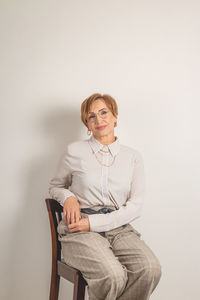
(68, 272)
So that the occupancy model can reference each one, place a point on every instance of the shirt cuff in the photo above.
(61, 195)
(100, 222)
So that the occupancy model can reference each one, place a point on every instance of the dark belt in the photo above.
(91, 211)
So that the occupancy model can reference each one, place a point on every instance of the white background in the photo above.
(54, 54)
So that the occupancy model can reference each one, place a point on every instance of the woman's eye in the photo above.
(104, 112)
(90, 117)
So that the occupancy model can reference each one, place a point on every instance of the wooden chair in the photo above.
(59, 267)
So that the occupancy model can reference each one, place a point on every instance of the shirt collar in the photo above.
(96, 145)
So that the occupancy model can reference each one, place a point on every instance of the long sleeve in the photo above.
(58, 186)
(133, 206)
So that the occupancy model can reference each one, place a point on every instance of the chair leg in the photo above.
(79, 288)
(54, 289)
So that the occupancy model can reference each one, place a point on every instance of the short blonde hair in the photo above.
(85, 106)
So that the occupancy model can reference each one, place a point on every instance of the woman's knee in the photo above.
(117, 277)
(152, 264)
(153, 272)
(150, 269)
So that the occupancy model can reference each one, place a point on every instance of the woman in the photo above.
(100, 184)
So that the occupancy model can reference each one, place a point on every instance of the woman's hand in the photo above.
(71, 210)
(82, 225)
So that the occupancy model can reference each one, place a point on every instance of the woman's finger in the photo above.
(72, 226)
(77, 216)
(68, 217)
(65, 214)
(72, 216)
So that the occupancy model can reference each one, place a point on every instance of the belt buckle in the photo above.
(104, 210)
(88, 210)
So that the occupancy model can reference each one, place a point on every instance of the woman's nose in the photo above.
(97, 118)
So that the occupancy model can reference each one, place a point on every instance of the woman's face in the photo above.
(95, 121)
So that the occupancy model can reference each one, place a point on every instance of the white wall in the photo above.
(53, 55)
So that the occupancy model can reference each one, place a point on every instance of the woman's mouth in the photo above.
(101, 127)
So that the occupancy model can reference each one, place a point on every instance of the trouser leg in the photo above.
(91, 253)
(143, 267)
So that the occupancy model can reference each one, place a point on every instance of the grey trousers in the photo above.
(118, 266)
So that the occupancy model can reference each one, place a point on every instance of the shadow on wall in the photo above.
(29, 253)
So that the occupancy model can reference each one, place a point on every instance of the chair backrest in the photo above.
(55, 211)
